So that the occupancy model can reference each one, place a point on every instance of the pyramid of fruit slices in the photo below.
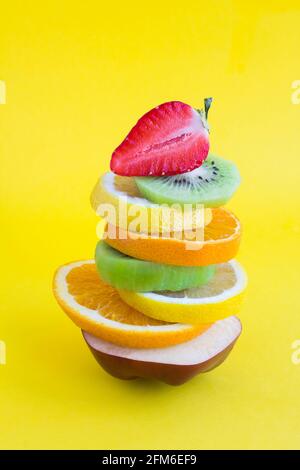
(157, 301)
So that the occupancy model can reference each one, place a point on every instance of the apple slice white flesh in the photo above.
(173, 365)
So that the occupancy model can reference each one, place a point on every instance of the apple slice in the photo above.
(173, 365)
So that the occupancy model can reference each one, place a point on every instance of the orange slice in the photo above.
(98, 309)
(221, 242)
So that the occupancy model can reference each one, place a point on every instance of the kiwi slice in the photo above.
(123, 272)
(212, 184)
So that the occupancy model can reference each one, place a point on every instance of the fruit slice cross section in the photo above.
(170, 139)
(118, 200)
(173, 365)
(221, 243)
(219, 298)
(212, 184)
(124, 272)
(98, 309)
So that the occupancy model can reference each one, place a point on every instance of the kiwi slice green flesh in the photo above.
(123, 272)
(212, 184)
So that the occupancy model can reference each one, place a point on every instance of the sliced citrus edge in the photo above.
(105, 193)
(191, 310)
(176, 251)
(132, 336)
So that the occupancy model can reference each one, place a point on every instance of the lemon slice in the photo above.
(220, 298)
(117, 199)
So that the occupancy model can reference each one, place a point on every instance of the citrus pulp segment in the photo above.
(98, 309)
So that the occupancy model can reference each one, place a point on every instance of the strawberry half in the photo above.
(168, 140)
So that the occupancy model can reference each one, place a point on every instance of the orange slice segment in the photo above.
(98, 309)
(221, 243)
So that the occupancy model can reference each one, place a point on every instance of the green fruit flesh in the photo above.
(212, 184)
(124, 272)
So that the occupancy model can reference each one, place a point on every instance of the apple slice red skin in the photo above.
(171, 374)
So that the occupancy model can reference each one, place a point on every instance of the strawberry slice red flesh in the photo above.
(170, 139)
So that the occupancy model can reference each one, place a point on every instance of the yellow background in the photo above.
(78, 75)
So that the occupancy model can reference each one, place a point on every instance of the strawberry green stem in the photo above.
(207, 105)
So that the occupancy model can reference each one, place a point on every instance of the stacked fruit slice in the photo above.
(158, 302)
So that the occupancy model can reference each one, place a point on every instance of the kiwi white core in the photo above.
(200, 349)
